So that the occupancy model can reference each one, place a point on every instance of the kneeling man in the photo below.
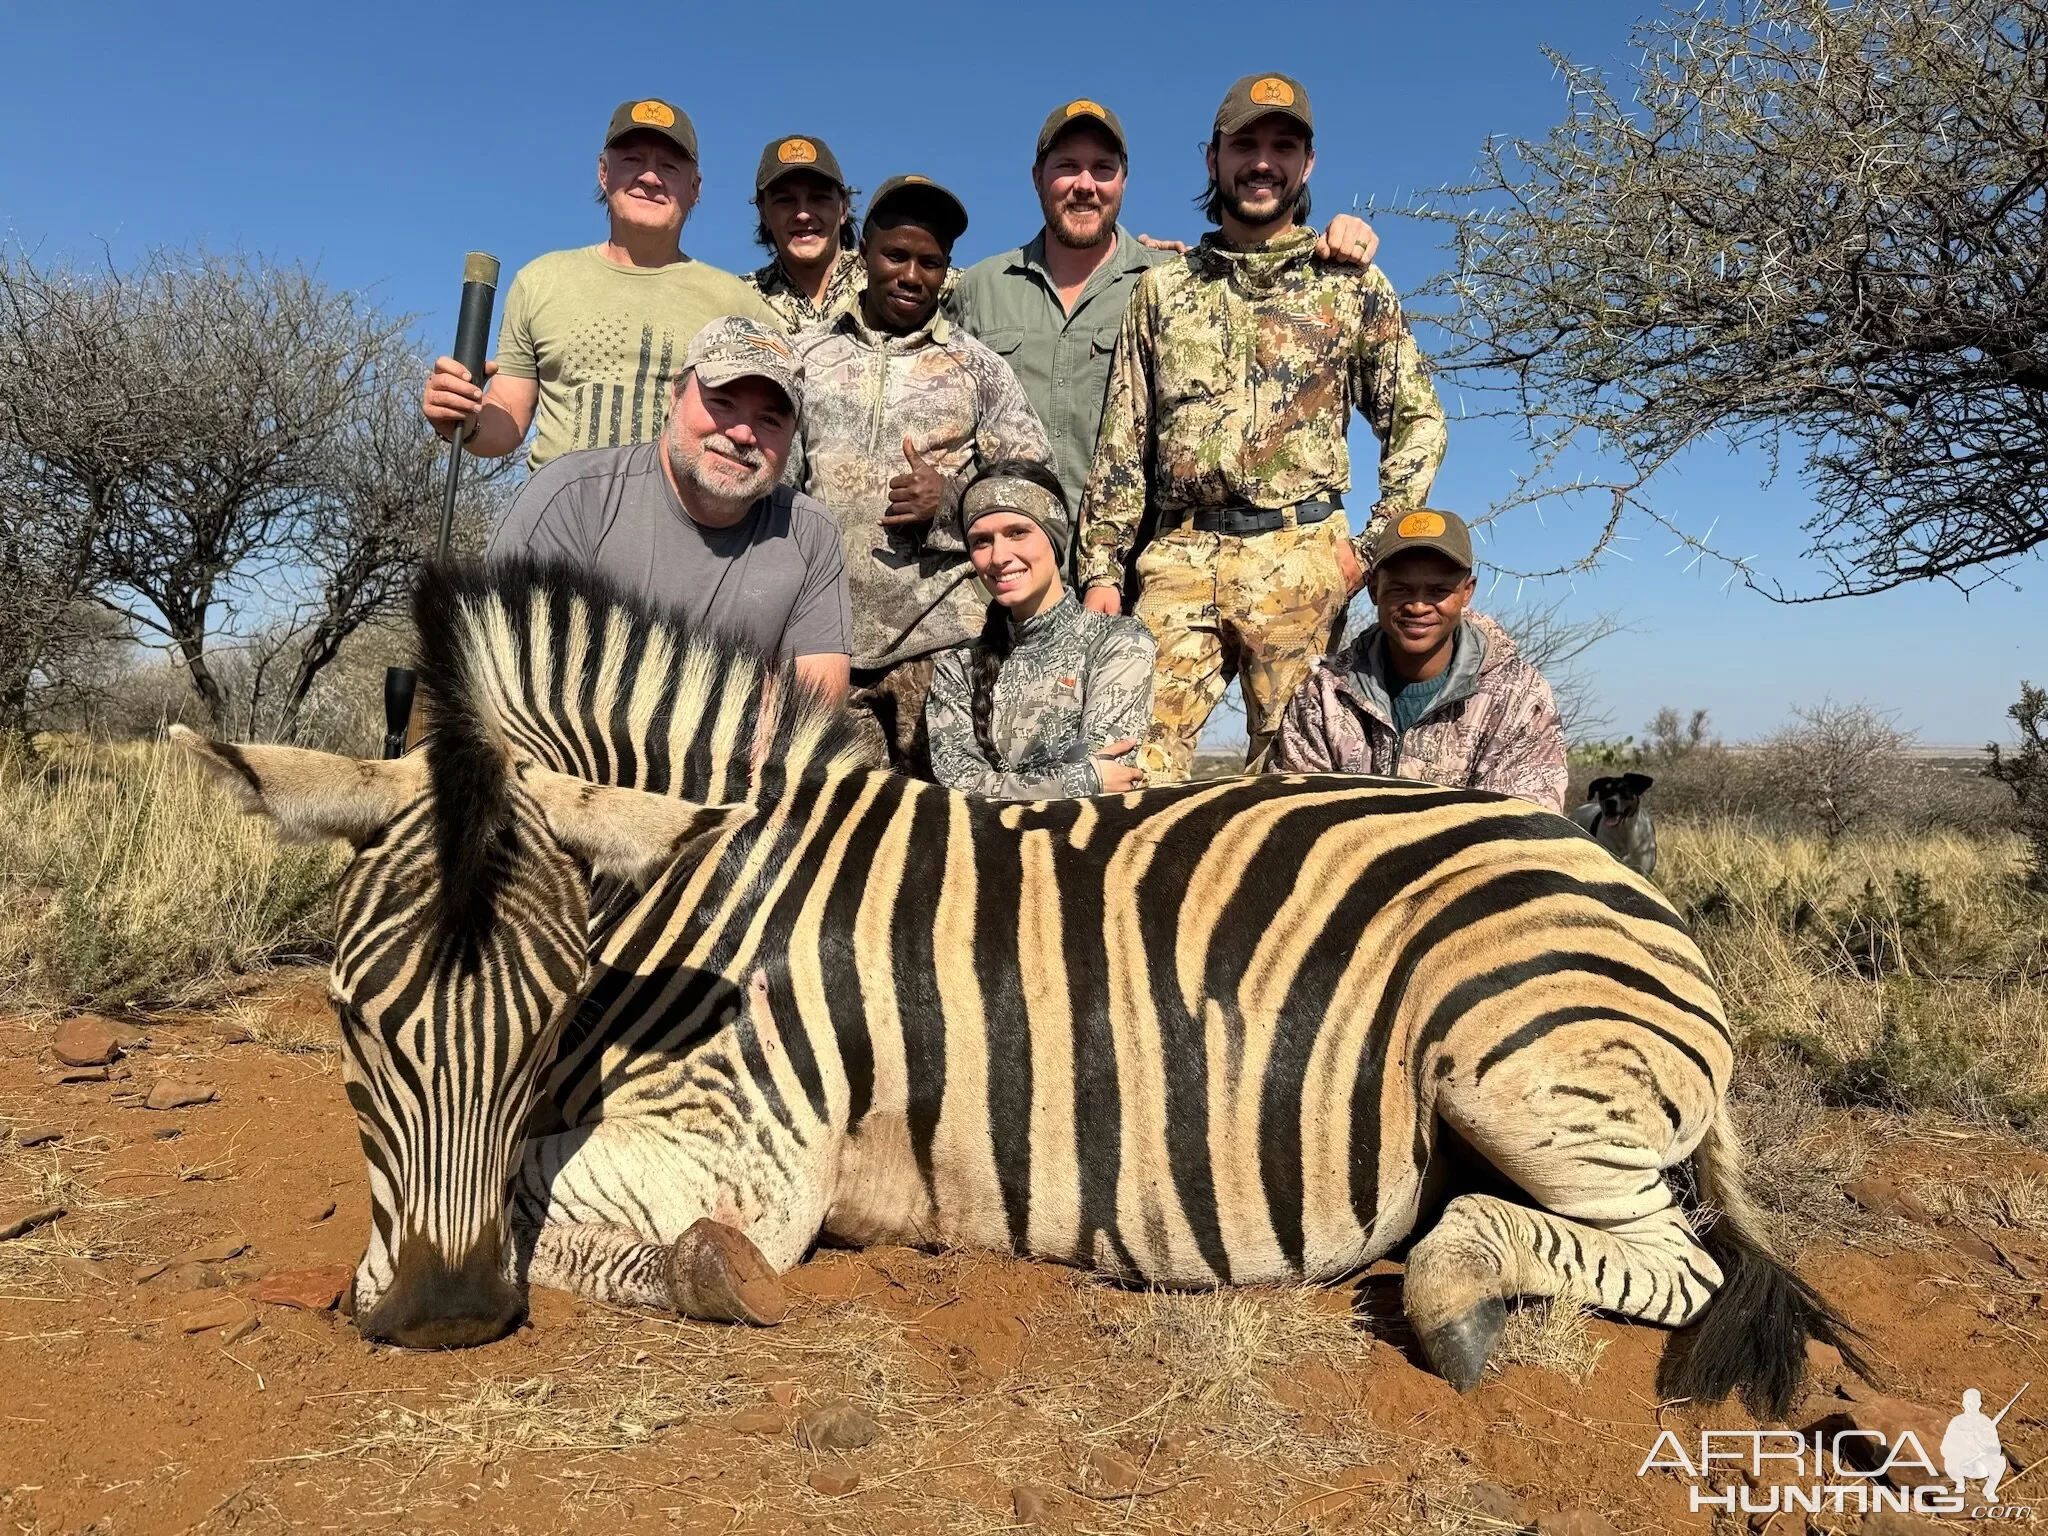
(1428, 692)
(697, 519)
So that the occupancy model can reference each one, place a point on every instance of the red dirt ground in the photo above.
(1247, 1411)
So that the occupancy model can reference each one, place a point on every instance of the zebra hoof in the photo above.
(1458, 1350)
(716, 1274)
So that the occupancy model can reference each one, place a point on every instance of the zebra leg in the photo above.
(1485, 1250)
(696, 1196)
(1586, 1127)
(711, 1272)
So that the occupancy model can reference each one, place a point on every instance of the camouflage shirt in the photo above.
(1073, 683)
(864, 392)
(1235, 377)
(842, 292)
(1493, 726)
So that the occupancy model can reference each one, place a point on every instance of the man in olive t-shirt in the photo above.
(592, 338)
(696, 519)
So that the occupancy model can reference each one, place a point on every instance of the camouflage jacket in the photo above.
(842, 292)
(864, 392)
(1073, 683)
(1235, 377)
(1494, 726)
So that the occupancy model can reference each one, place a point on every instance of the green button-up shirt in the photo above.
(1010, 303)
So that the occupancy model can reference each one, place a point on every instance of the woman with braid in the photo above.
(1052, 700)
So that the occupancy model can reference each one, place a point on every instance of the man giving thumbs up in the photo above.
(900, 409)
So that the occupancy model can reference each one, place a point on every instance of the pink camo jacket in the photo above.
(1495, 726)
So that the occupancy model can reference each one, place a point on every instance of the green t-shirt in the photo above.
(605, 340)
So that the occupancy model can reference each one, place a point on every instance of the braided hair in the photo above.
(992, 648)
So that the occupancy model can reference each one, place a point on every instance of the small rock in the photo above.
(168, 1132)
(84, 1075)
(88, 1269)
(233, 1034)
(223, 1313)
(1893, 1418)
(1108, 1475)
(189, 1277)
(782, 1393)
(242, 1330)
(835, 1481)
(317, 1212)
(28, 1221)
(1973, 1244)
(37, 1135)
(219, 1251)
(837, 1426)
(312, 1290)
(1889, 1522)
(1496, 1503)
(167, 1093)
(1881, 1197)
(757, 1421)
(1033, 1505)
(146, 1273)
(1574, 1522)
(85, 1042)
(1824, 1365)
(132, 1036)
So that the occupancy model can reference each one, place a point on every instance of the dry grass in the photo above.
(1896, 972)
(126, 881)
(1552, 1336)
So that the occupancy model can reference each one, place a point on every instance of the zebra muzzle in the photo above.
(717, 1274)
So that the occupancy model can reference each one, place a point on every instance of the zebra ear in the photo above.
(311, 796)
(626, 833)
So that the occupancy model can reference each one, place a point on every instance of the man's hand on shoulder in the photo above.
(1349, 239)
(1104, 599)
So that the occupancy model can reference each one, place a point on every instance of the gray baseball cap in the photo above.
(734, 347)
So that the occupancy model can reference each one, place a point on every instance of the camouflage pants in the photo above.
(1259, 607)
(887, 705)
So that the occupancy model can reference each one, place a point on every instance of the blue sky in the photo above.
(379, 142)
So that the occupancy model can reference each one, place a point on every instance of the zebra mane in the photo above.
(548, 661)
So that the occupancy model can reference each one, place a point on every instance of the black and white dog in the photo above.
(1617, 820)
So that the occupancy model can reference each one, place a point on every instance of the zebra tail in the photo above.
(1752, 1336)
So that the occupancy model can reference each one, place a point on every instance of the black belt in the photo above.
(1240, 520)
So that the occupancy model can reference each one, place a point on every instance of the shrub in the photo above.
(126, 881)
(2025, 773)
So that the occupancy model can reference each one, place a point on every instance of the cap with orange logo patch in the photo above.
(651, 115)
(1081, 112)
(795, 152)
(933, 206)
(1255, 96)
(1426, 528)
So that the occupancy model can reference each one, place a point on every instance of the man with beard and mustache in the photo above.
(1051, 308)
(901, 408)
(1236, 372)
(697, 519)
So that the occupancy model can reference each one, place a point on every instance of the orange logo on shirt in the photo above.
(1420, 525)
(658, 114)
(1273, 92)
(797, 152)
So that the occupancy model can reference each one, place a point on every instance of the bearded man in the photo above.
(1051, 307)
(698, 520)
(1237, 370)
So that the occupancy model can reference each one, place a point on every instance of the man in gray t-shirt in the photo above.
(697, 520)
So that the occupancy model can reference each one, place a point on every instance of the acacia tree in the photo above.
(1815, 228)
(227, 454)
